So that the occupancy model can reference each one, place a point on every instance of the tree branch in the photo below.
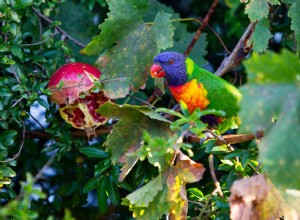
(76, 133)
(213, 174)
(201, 27)
(229, 138)
(238, 52)
(59, 29)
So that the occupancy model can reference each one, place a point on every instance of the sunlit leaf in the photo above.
(149, 202)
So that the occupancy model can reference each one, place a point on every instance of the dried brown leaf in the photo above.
(255, 198)
(184, 171)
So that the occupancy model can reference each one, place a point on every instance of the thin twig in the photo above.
(256, 171)
(220, 138)
(213, 175)
(201, 27)
(17, 102)
(228, 62)
(85, 84)
(17, 77)
(38, 43)
(219, 38)
(76, 133)
(197, 203)
(20, 148)
(36, 120)
(142, 101)
(39, 174)
(15, 74)
(59, 29)
(46, 165)
(200, 21)
(155, 95)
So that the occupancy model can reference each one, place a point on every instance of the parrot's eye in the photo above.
(171, 62)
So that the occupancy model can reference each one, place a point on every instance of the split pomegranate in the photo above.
(72, 89)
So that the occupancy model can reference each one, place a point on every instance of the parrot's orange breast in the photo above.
(192, 93)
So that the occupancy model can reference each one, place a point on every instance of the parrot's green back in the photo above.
(221, 94)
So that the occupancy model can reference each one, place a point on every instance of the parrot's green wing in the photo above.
(221, 94)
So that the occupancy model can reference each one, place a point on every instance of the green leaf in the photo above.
(293, 13)
(93, 152)
(274, 100)
(162, 22)
(91, 184)
(139, 47)
(7, 171)
(184, 109)
(146, 194)
(102, 167)
(195, 193)
(257, 9)
(113, 192)
(220, 149)
(133, 120)
(261, 36)
(124, 34)
(170, 111)
(166, 193)
(274, 2)
(5, 92)
(102, 195)
(15, 50)
(21, 4)
(278, 148)
(273, 68)
(7, 138)
(43, 103)
(123, 18)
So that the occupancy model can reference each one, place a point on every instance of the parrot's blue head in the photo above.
(172, 66)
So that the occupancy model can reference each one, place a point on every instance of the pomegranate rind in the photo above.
(76, 78)
(82, 113)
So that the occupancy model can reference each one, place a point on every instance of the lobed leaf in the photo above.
(257, 9)
(166, 194)
(261, 36)
(130, 45)
(293, 13)
(126, 135)
(273, 96)
(122, 19)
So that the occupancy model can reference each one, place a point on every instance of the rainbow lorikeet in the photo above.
(196, 87)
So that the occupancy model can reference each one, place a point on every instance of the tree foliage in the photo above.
(153, 158)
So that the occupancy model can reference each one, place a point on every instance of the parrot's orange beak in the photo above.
(157, 71)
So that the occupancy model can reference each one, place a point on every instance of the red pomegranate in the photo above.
(72, 89)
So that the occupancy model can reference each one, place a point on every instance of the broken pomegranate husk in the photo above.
(73, 89)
